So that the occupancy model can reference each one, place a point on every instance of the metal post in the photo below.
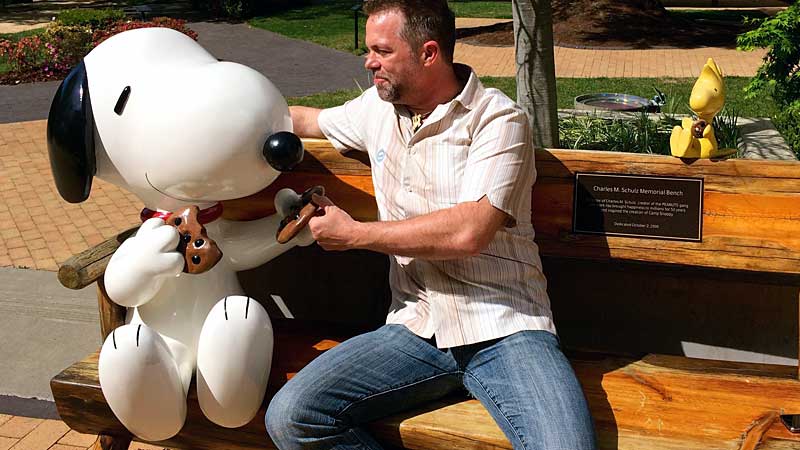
(355, 9)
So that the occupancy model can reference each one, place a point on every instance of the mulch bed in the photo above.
(617, 24)
(18, 78)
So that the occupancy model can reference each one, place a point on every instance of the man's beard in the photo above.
(389, 91)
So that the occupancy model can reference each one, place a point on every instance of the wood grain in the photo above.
(112, 315)
(751, 216)
(84, 268)
(656, 402)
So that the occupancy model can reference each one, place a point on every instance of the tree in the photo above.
(779, 76)
(536, 73)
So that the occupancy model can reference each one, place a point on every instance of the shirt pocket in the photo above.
(444, 173)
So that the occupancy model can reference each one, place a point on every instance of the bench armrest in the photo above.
(86, 267)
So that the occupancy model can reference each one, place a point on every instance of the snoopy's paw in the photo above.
(141, 384)
(234, 354)
(138, 269)
(304, 238)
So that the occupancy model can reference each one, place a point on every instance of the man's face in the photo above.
(393, 64)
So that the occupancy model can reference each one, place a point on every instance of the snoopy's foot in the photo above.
(141, 383)
(234, 354)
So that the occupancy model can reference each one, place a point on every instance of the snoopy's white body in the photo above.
(191, 133)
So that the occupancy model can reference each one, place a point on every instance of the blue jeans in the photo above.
(523, 380)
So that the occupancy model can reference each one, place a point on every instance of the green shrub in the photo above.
(635, 135)
(788, 124)
(53, 53)
(638, 134)
(72, 41)
(87, 17)
(778, 76)
(726, 128)
(160, 22)
(239, 9)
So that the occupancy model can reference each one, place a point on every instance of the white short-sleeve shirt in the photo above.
(476, 145)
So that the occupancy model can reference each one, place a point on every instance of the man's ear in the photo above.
(430, 52)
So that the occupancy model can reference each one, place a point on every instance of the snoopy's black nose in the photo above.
(283, 150)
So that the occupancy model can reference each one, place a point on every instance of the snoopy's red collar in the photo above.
(205, 216)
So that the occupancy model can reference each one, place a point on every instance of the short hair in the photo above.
(425, 20)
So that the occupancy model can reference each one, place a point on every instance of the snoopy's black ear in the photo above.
(70, 137)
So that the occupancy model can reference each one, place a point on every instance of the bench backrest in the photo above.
(751, 208)
(737, 288)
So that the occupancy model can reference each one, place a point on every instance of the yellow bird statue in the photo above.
(695, 138)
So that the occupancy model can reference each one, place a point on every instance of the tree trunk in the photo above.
(536, 73)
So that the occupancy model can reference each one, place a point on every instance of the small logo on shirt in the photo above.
(380, 156)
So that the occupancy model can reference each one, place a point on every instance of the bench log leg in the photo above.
(112, 315)
(106, 442)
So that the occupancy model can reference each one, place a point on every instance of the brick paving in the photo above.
(39, 230)
(25, 433)
(595, 63)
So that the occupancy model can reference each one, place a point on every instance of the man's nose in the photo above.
(370, 62)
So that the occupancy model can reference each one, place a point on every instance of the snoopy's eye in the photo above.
(122, 100)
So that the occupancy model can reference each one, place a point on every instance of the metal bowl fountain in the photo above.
(619, 102)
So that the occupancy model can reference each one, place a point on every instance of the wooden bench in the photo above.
(750, 234)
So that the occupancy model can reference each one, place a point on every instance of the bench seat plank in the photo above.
(655, 402)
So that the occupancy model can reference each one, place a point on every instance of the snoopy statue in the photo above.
(151, 111)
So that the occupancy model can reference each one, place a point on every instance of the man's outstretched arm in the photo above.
(305, 123)
(461, 231)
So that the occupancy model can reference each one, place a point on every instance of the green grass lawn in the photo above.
(330, 23)
(490, 10)
(677, 90)
(14, 37)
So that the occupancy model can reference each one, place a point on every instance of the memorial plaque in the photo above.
(638, 206)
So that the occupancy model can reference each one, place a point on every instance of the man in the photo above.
(452, 165)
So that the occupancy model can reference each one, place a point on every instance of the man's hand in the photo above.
(333, 228)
